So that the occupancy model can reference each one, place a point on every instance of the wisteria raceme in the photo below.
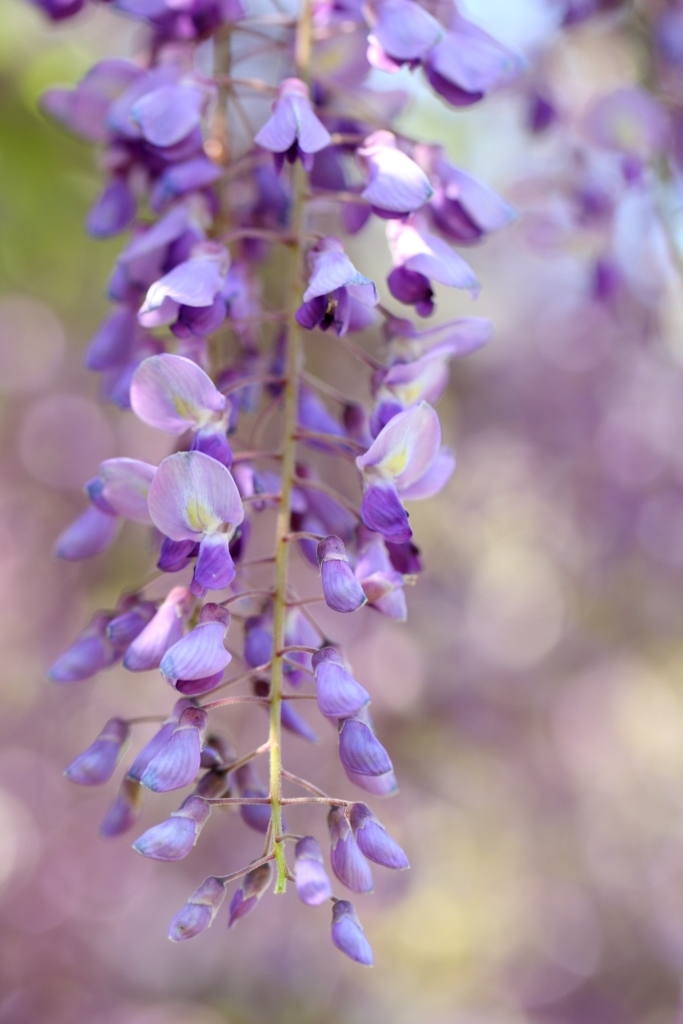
(200, 346)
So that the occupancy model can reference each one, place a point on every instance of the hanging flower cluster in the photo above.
(193, 345)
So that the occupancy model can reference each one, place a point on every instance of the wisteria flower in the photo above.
(382, 584)
(405, 461)
(420, 258)
(397, 186)
(194, 497)
(333, 284)
(293, 132)
(467, 63)
(402, 33)
(348, 935)
(189, 297)
(195, 664)
(199, 912)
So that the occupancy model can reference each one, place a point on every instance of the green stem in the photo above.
(294, 366)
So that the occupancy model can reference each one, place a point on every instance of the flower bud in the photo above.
(348, 935)
(258, 640)
(213, 784)
(165, 629)
(359, 749)
(158, 740)
(312, 883)
(90, 534)
(124, 628)
(177, 763)
(249, 893)
(342, 591)
(174, 838)
(124, 811)
(373, 839)
(96, 764)
(90, 652)
(348, 863)
(378, 785)
(339, 695)
(249, 785)
(195, 664)
(199, 912)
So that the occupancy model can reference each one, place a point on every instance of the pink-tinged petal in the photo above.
(424, 379)
(332, 269)
(405, 31)
(393, 604)
(193, 494)
(165, 629)
(91, 533)
(419, 251)
(196, 282)
(177, 763)
(126, 486)
(199, 654)
(215, 568)
(396, 182)
(435, 478)
(173, 394)
(167, 115)
(406, 447)
(378, 785)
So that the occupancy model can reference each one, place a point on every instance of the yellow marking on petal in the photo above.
(395, 463)
(409, 394)
(199, 518)
(184, 408)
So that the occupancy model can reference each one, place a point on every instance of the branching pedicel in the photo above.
(176, 179)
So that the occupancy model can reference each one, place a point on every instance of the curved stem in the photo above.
(302, 54)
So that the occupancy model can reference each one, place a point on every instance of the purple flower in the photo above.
(299, 632)
(293, 131)
(404, 461)
(462, 207)
(113, 211)
(189, 296)
(96, 764)
(342, 591)
(338, 693)
(403, 33)
(397, 186)
(381, 583)
(167, 115)
(178, 179)
(348, 935)
(125, 487)
(256, 816)
(174, 838)
(333, 283)
(373, 840)
(124, 811)
(359, 749)
(89, 534)
(90, 652)
(83, 109)
(194, 497)
(312, 884)
(134, 615)
(467, 63)
(245, 898)
(59, 10)
(348, 863)
(173, 394)
(199, 912)
(195, 664)
(258, 639)
(419, 258)
(177, 763)
(164, 630)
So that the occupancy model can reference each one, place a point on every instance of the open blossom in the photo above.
(397, 186)
(467, 63)
(189, 296)
(405, 462)
(333, 287)
(420, 258)
(293, 132)
(403, 32)
(194, 497)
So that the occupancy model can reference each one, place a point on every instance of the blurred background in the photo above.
(533, 704)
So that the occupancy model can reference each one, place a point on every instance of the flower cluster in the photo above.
(195, 345)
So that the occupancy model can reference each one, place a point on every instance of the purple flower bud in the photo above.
(113, 211)
(339, 695)
(218, 752)
(359, 749)
(96, 765)
(201, 655)
(348, 935)
(90, 652)
(397, 185)
(258, 640)
(293, 130)
(174, 838)
(90, 534)
(378, 785)
(342, 591)
(348, 863)
(177, 763)
(312, 884)
(124, 811)
(158, 741)
(124, 628)
(164, 630)
(213, 784)
(373, 840)
(199, 912)
(256, 816)
(253, 886)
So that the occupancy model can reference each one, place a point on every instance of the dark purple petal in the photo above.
(381, 510)
(215, 568)
(412, 288)
(113, 211)
(113, 344)
(212, 441)
(124, 628)
(176, 554)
